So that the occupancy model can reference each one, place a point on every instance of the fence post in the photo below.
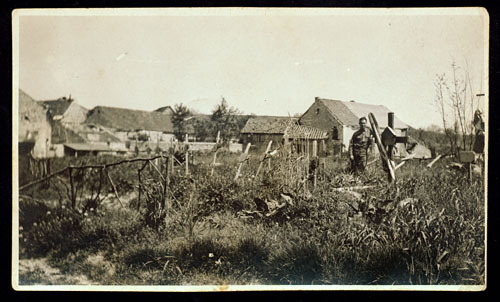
(215, 153)
(73, 201)
(140, 185)
(187, 154)
(166, 182)
(171, 165)
(390, 122)
(113, 185)
(243, 159)
(264, 158)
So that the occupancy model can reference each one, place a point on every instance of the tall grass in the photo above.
(426, 228)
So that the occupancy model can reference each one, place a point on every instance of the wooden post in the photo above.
(114, 188)
(98, 191)
(187, 154)
(390, 117)
(469, 170)
(73, 200)
(383, 154)
(166, 183)
(468, 158)
(263, 157)
(171, 170)
(156, 169)
(243, 158)
(308, 159)
(215, 153)
(399, 165)
(315, 176)
(140, 190)
(140, 185)
(434, 160)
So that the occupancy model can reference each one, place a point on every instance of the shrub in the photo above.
(54, 230)
(426, 228)
(153, 213)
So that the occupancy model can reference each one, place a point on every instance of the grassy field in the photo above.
(278, 228)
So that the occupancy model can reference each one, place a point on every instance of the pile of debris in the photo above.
(267, 207)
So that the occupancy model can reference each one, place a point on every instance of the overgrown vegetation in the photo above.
(277, 228)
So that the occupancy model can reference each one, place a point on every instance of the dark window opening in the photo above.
(335, 133)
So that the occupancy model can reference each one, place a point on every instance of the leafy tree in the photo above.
(203, 129)
(225, 119)
(181, 113)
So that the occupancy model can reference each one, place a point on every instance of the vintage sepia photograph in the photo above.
(242, 149)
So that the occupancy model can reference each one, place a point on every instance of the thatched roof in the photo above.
(129, 120)
(348, 113)
(295, 131)
(268, 124)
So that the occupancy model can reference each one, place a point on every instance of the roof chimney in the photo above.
(316, 99)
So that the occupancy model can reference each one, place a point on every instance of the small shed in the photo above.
(306, 140)
(259, 130)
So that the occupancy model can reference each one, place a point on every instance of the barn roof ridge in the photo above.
(129, 119)
(348, 113)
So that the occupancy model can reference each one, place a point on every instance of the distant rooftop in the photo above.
(57, 107)
(131, 120)
(268, 124)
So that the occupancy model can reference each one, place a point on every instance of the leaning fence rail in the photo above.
(93, 166)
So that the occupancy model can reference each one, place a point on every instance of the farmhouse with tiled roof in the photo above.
(341, 120)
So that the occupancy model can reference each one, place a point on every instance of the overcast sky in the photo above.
(262, 61)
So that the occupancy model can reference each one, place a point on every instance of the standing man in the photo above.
(358, 147)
